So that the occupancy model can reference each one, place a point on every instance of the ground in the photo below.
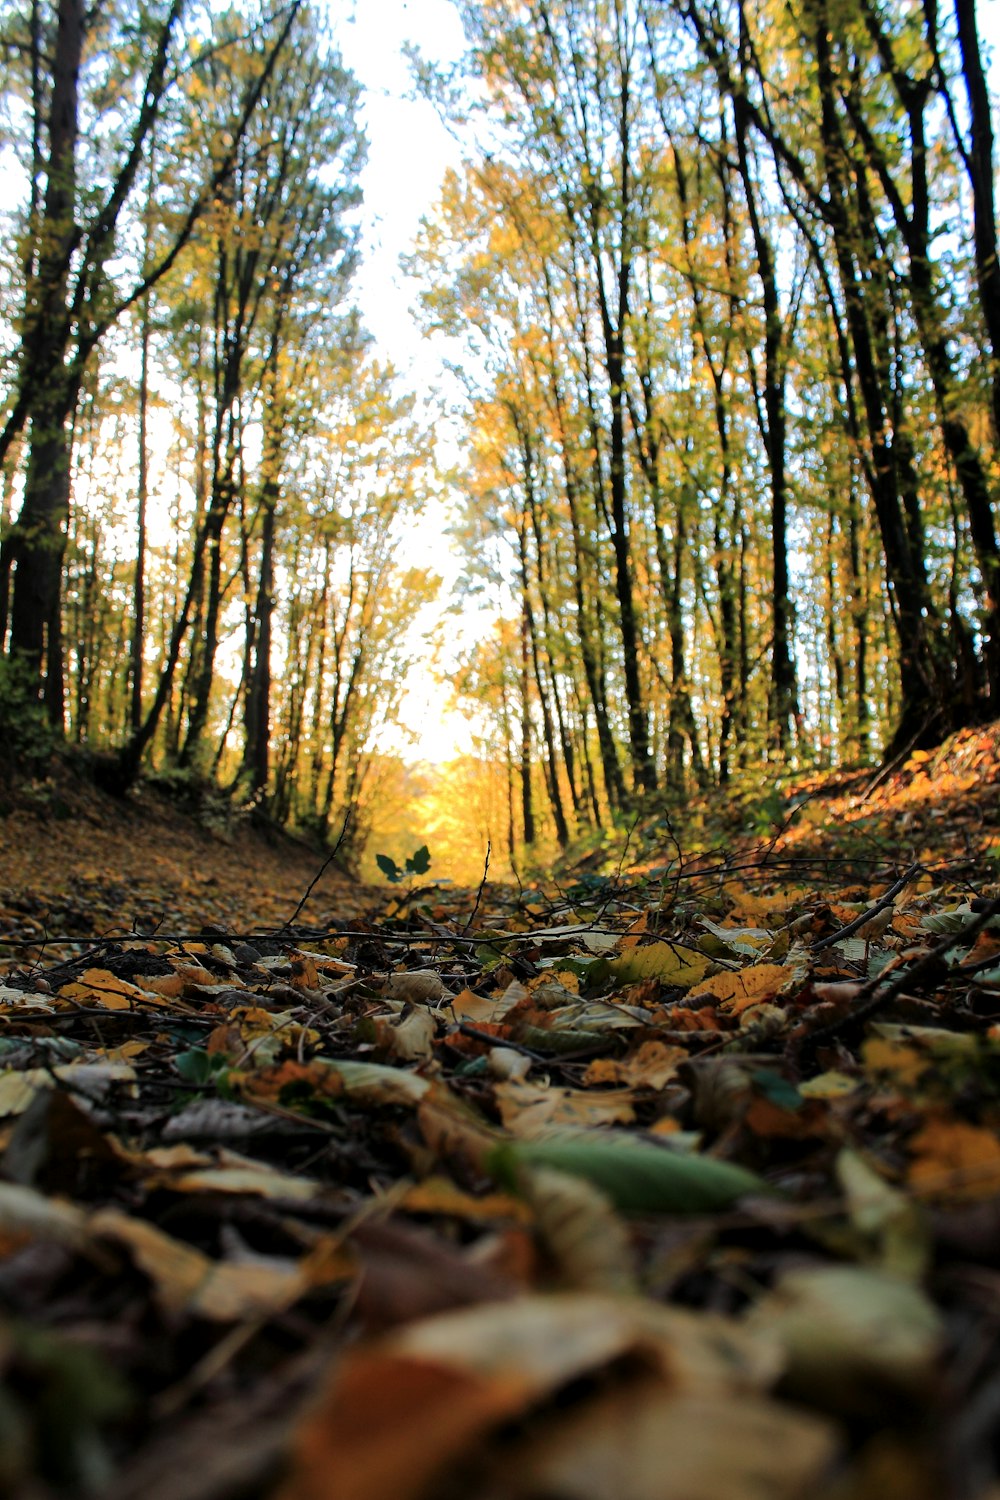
(674, 1176)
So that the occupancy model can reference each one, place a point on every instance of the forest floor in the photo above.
(677, 1179)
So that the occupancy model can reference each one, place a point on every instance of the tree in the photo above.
(72, 291)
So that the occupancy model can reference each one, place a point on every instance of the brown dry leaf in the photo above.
(452, 1131)
(242, 1178)
(954, 1161)
(410, 1038)
(176, 1270)
(416, 987)
(648, 1442)
(93, 1080)
(584, 1238)
(737, 991)
(552, 1339)
(651, 1066)
(194, 976)
(316, 1077)
(27, 1215)
(406, 1273)
(187, 1282)
(18, 1087)
(770, 1121)
(166, 986)
(750, 910)
(850, 1333)
(467, 1006)
(527, 1108)
(305, 974)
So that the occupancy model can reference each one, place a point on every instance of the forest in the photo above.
(612, 1111)
(720, 290)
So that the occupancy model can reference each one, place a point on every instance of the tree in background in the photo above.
(91, 86)
(723, 274)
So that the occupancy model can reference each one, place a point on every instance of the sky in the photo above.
(409, 152)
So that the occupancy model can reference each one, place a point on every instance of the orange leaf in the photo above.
(390, 1423)
(955, 1160)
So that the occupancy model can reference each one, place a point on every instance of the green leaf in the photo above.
(636, 1176)
(419, 861)
(195, 1066)
(389, 867)
(777, 1090)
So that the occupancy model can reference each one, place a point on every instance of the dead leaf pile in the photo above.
(672, 1187)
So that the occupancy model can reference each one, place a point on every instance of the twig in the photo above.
(482, 887)
(320, 872)
(870, 912)
(499, 1041)
(873, 995)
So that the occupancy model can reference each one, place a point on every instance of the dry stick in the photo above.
(320, 873)
(492, 1040)
(870, 912)
(482, 887)
(874, 995)
(616, 883)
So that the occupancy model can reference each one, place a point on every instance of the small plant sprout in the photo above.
(417, 863)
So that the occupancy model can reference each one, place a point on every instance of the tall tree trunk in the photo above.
(258, 704)
(39, 539)
(142, 497)
(527, 808)
(920, 664)
(783, 708)
(979, 162)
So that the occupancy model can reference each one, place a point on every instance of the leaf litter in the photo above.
(679, 1181)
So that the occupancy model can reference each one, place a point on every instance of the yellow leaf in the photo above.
(669, 962)
(905, 1064)
(101, 987)
(737, 991)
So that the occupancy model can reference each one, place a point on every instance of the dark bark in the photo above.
(979, 161)
(551, 769)
(783, 708)
(527, 808)
(614, 785)
(924, 709)
(39, 536)
(142, 496)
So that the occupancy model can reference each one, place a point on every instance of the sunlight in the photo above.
(408, 153)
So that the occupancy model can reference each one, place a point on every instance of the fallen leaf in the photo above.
(953, 1160)
(670, 963)
(526, 1108)
(737, 990)
(636, 1176)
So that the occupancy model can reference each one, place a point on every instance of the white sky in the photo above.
(409, 151)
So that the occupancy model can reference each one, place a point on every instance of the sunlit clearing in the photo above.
(458, 809)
